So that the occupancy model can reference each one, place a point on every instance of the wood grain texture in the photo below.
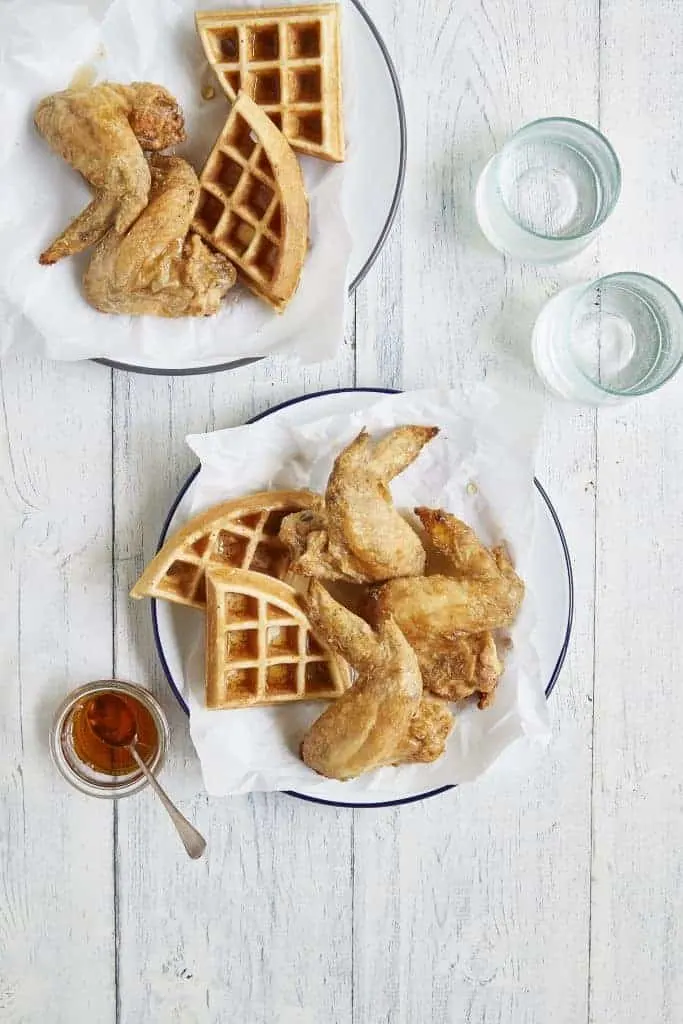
(56, 858)
(457, 900)
(637, 933)
(254, 932)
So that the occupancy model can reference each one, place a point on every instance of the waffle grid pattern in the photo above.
(239, 209)
(260, 646)
(288, 65)
(267, 655)
(247, 542)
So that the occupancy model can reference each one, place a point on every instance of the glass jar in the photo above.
(88, 764)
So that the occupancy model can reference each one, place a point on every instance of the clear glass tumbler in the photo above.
(614, 339)
(543, 197)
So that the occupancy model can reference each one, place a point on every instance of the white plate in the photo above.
(175, 628)
(375, 165)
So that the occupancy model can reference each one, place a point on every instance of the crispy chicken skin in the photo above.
(458, 666)
(448, 619)
(483, 593)
(102, 131)
(358, 534)
(155, 268)
(382, 719)
(427, 733)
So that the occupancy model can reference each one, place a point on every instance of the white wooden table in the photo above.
(550, 891)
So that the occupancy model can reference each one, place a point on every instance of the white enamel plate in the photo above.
(175, 628)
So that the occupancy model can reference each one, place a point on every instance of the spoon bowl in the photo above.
(112, 720)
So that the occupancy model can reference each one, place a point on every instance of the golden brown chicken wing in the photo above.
(427, 734)
(382, 719)
(448, 619)
(483, 593)
(155, 268)
(458, 666)
(358, 534)
(102, 131)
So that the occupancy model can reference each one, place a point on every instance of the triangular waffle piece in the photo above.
(288, 60)
(237, 534)
(259, 645)
(252, 204)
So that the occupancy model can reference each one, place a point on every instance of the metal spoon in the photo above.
(125, 735)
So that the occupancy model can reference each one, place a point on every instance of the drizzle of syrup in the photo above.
(111, 718)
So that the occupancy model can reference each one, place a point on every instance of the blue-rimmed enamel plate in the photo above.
(375, 167)
(552, 577)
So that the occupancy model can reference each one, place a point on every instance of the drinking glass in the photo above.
(614, 339)
(543, 197)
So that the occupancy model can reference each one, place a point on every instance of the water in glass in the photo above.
(548, 190)
(619, 337)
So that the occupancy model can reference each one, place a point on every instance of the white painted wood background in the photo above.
(550, 891)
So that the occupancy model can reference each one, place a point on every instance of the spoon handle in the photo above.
(192, 840)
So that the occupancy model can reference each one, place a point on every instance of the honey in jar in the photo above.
(102, 710)
(93, 765)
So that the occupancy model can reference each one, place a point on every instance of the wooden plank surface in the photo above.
(56, 855)
(637, 904)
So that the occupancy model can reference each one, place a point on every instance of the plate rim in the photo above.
(416, 796)
(235, 364)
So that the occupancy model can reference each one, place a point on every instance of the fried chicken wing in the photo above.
(102, 131)
(458, 666)
(382, 719)
(359, 535)
(483, 593)
(155, 267)
(448, 619)
(427, 734)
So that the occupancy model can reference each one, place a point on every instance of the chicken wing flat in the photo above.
(358, 534)
(155, 268)
(483, 593)
(382, 719)
(448, 619)
(102, 131)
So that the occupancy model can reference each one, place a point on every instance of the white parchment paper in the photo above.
(487, 440)
(42, 45)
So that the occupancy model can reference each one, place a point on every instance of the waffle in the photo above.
(259, 645)
(237, 534)
(288, 60)
(252, 204)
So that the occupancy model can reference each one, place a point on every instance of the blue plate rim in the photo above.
(235, 364)
(417, 796)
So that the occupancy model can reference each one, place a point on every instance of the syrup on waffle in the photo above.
(288, 60)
